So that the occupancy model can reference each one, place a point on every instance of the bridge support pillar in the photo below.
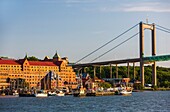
(110, 70)
(151, 27)
(94, 71)
(100, 71)
(154, 76)
(142, 74)
(128, 70)
(116, 71)
(141, 41)
(134, 75)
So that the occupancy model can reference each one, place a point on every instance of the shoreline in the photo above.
(152, 89)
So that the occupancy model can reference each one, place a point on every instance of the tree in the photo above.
(105, 85)
(32, 58)
(163, 74)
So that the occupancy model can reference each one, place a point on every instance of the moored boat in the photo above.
(80, 92)
(91, 94)
(41, 94)
(125, 92)
(61, 93)
(8, 96)
(52, 93)
(16, 93)
(26, 95)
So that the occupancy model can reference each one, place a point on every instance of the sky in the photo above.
(75, 28)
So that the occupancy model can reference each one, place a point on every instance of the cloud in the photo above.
(134, 7)
(116, 6)
(79, 1)
(147, 7)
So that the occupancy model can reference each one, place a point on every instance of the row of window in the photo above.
(60, 84)
(35, 67)
(39, 67)
(15, 66)
(13, 69)
(26, 76)
(27, 69)
(40, 70)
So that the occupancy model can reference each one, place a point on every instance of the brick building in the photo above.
(33, 71)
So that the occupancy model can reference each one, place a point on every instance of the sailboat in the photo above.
(81, 91)
(60, 92)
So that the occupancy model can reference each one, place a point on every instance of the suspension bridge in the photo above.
(142, 59)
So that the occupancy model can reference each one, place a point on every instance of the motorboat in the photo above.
(41, 94)
(26, 95)
(51, 93)
(80, 92)
(125, 92)
(16, 93)
(61, 93)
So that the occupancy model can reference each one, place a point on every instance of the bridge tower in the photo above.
(142, 27)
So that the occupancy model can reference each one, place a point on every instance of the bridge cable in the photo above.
(106, 43)
(163, 30)
(163, 27)
(115, 47)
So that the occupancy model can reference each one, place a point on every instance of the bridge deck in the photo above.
(107, 62)
(145, 59)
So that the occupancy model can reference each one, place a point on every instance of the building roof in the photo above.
(21, 61)
(41, 63)
(33, 63)
(56, 56)
(58, 63)
(9, 62)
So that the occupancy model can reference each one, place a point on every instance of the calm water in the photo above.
(137, 102)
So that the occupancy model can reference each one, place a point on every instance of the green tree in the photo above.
(163, 74)
(105, 85)
(32, 58)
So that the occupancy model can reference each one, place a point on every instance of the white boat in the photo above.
(51, 93)
(125, 92)
(16, 94)
(41, 94)
(61, 93)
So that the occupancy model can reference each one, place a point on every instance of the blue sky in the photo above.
(76, 27)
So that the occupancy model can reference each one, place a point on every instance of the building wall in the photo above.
(34, 73)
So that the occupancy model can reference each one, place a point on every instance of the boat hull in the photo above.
(8, 96)
(26, 95)
(61, 94)
(79, 94)
(41, 95)
(91, 94)
(125, 92)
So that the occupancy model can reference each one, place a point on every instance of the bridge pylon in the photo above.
(142, 27)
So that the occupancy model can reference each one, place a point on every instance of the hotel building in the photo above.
(33, 71)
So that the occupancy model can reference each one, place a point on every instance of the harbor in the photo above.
(153, 100)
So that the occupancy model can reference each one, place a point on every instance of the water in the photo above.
(137, 102)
